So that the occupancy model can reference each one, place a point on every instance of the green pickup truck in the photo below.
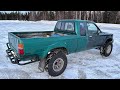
(51, 47)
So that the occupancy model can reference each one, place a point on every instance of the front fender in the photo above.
(53, 46)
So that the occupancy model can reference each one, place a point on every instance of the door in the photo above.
(82, 37)
(92, 34)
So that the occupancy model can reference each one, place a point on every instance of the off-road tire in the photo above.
(60, 55)
(105, 48)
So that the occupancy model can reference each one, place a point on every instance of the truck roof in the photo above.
(75, 20)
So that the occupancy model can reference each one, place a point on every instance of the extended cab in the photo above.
(51, 47)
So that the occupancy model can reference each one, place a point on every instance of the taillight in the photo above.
(20, 49)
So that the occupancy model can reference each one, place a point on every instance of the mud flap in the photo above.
(101, 50)
(41, 65)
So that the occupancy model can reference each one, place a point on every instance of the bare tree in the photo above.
(32, 16)
(79, 14)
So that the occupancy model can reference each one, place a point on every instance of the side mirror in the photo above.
(94, 32)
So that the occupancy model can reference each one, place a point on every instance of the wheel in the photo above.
(57, 64)
(107, 49)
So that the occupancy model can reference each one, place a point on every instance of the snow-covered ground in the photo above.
(83, 65)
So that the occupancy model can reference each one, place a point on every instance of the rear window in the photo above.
(65, 26)
(69, 26)
(58, 25)
(62, 26)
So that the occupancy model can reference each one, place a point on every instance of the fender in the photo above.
(53, 46)
(109, 38)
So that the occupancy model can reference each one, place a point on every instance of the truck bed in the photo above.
(33, 34)
(36, 42)
(37, 34)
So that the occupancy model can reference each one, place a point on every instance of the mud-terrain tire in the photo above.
(107, 49)
(57, 64)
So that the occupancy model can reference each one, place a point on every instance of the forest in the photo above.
(96, 16)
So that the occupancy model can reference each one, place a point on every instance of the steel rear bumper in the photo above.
(15, 59)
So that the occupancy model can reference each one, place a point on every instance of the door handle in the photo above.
(90, 36)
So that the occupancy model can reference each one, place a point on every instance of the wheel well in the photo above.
(64, 50)
(108, 40)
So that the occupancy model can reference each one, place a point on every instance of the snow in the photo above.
(87, 64)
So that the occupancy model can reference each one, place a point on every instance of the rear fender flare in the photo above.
(51, 47)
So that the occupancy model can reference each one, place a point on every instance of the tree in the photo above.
(32, 16)
(51, 15)
(105, 17)
(113, 16)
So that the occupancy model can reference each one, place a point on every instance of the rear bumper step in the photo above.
(14, 59)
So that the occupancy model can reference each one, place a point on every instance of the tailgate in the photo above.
(13, 41)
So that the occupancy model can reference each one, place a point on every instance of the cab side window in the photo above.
(82, 29)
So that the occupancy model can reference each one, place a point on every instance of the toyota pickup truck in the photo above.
(51, 47)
